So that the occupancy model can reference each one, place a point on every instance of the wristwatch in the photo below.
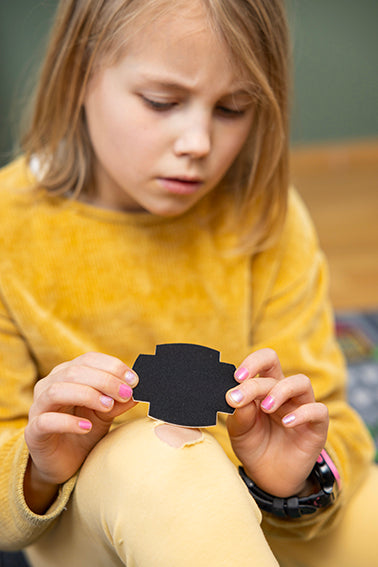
(324, 473)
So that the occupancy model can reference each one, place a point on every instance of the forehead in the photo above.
(179, 40)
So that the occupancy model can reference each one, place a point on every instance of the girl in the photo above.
(151, 205)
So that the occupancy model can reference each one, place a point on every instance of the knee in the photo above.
(145, 451)
(178, 437)
(154, 453)
(154, 456)
(143, 476)
(144, 465)
(160, 467)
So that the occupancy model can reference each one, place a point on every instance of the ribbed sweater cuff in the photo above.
(28, 524)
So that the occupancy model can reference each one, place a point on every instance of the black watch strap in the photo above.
(326, 476)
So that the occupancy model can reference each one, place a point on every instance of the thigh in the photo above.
(141, 502)
(353, 543)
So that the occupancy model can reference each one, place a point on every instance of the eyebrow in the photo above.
(182, 88)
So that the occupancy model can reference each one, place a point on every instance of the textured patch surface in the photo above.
(185, 384)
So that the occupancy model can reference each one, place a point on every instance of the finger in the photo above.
(100, 361)
(242, 420)
(263, 362)
(59, 396)
(249, 391)
(52, 423)
(117, 410)
(313, 413)
(101, 380)
(296, 388)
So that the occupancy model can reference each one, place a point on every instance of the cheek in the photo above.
(108, 130)
(231, 144)
(117, 128)
(242, 135)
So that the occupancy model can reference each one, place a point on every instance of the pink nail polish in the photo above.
(106, 401)
(288, 419)
(86, 425)
(130, 378)
(125, 391)
(241, 374)
(268, 403)
(237, 396)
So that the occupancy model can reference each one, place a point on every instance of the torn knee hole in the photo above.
(177, 436)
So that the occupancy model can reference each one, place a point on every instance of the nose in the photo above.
(194, 139)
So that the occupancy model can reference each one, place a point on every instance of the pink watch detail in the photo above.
(331, 465)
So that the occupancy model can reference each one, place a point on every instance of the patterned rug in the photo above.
(358, 336)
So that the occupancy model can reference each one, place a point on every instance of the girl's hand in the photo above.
(278, 429)
(73, 409)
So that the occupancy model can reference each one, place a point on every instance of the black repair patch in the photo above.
(185, 384)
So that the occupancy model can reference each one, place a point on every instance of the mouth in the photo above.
(181, 185)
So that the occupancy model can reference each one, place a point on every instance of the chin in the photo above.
(169, 209)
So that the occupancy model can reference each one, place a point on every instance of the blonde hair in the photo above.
(87, 34)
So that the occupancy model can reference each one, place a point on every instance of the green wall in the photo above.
(24, 25)
(336, 69)
(335, 66)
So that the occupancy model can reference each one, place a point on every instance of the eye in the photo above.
(228, 112)
(157, 105)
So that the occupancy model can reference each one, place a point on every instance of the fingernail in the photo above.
(85, 425)
(236, 396)
(288, 419)
(268, 403)
(130, 378)
(125, 391)
(106, 401)
(241, 374)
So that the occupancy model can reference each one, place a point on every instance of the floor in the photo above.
(339, 184)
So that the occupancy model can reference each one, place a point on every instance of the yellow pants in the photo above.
(143, 503)
(354, 543)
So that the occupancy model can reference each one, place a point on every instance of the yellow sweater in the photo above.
(76, 278)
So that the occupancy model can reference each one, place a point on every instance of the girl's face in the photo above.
(168, 119)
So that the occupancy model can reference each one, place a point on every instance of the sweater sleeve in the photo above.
(19, 525)
(293, 316)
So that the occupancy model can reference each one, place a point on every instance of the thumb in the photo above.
(242, 420)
